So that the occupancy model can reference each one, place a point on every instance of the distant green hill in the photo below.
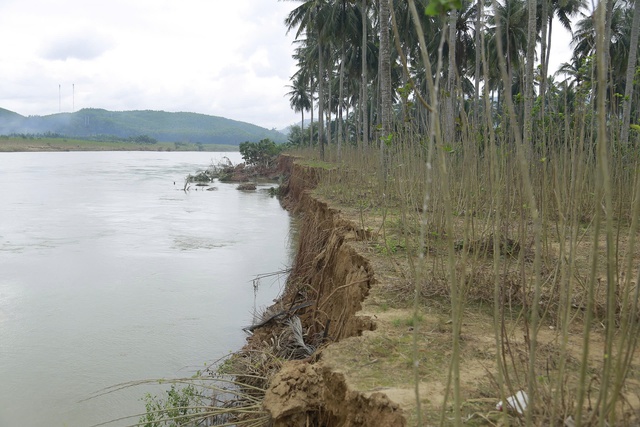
(161, 125)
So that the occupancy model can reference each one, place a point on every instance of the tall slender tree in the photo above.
(632, 61)
(529, 66)
(364, 104)
(479, 27)
(449, 119)
(584, 44)
(342, 30)
(310, 18)
(564, 10)
(299, 95)
(512, 16)
(384, 73)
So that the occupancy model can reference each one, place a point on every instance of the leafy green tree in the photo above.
(261, 154)
(296, 136)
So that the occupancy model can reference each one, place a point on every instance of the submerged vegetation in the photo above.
(260, 164)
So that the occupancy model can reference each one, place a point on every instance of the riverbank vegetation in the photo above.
(507, 199)
(44, 142)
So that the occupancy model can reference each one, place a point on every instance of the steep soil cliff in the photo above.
(330, 280)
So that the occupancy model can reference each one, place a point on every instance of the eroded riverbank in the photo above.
(330, 279)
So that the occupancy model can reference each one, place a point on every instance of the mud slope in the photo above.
(330, 280)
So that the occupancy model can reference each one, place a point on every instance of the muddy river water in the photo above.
(109, 273)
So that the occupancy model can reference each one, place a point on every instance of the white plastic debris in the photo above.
(518, 402)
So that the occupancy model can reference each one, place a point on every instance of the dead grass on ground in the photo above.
(382, 360)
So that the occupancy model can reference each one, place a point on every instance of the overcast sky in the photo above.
(227, 58)
(224, 58)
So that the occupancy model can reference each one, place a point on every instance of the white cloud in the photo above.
(230, 59)
(560, 47)
(83, 45)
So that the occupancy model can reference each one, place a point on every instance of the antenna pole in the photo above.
(59, 98)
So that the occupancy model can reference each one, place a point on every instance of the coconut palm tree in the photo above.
(461, 56)
(299, 96)
(410, 46)
(310, 18)
(343, 30)
(528, 75)
(306, 57)
(565, 11)
(576, 71)
(584, 44)
(631, 68)
(512, 17)
(385, 65)
(364, 110)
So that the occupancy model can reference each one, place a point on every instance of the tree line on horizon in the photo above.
(146, 125)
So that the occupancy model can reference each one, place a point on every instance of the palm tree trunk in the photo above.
(528, 77)
(476, 95)
(631, 68)
(340, 102)
(385, 73)
(346, 131)
(364, 101)
(607, 55)
(548, 54)
(329, 105)
(311, 125)
(544, 18)
(302, 127)
(320, 98)
(449, 124)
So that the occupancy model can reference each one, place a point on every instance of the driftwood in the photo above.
(287, 312)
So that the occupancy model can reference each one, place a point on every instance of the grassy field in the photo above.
(16, 144)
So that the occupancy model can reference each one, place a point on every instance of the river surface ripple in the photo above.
(110, 273)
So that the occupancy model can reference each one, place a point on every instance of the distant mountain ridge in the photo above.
(161, 125)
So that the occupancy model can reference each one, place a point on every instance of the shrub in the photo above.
(261, 154)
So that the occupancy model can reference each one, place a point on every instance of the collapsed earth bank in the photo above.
(326, 288)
